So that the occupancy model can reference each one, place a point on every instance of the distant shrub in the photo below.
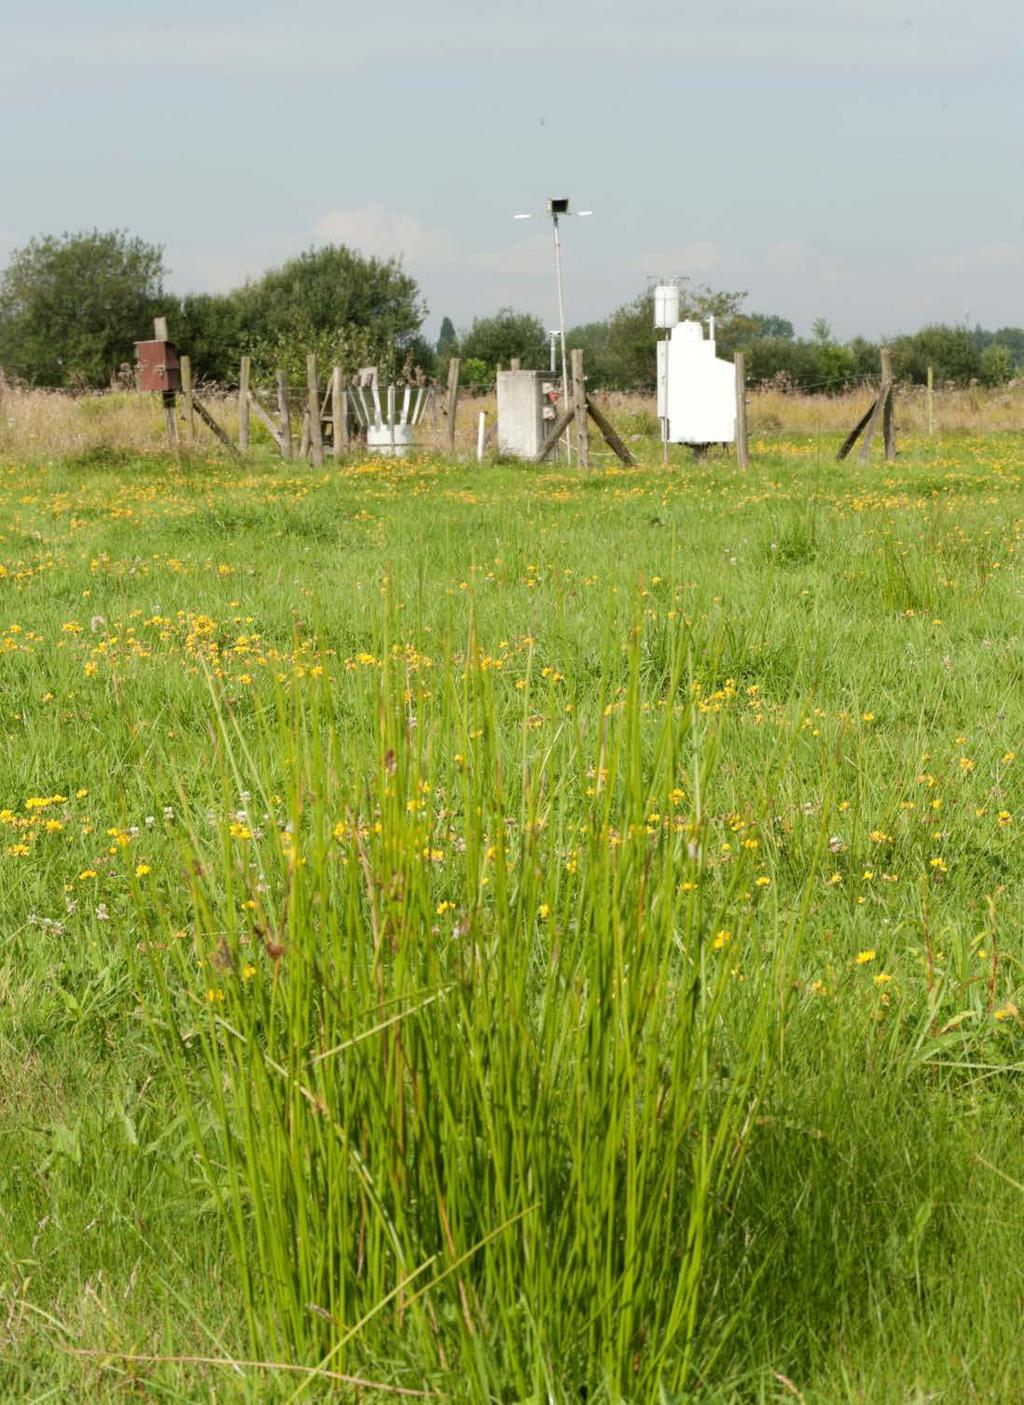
(996, 364)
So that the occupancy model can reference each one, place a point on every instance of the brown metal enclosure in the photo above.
(158, 365)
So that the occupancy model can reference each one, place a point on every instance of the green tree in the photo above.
(768, 324)
(996, 364)
(620, 353)
(952, 351)
(1013, 338)
(505, 335)
(447, 340)
(475, 372)
(347, 305)
(447, 347)
(803, 364)
(71, 305)
(209, 327)
(865, 356)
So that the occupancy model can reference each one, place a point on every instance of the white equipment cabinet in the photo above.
(696, 389)
(526, 411)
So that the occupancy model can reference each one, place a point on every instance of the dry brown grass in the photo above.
(49, 423)
(967, 409)
(44, 424)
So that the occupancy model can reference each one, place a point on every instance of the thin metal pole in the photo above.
(561, 326)
(664, 418)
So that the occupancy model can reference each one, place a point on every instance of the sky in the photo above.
(848, 159)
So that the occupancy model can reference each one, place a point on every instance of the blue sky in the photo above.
(855, 160)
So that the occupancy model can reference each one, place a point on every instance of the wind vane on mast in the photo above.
(557, 207)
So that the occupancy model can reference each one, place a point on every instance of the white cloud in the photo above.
(793, 260)
(532, 258)
(700, 257)
(373, 229)
(207, 270)
(985, 258)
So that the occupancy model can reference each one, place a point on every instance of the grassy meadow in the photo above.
(506, 934)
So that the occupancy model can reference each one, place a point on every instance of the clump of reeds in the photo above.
(464, 1040)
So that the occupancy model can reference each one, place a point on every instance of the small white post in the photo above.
(481, 435)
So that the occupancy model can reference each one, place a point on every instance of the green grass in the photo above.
(512, 934)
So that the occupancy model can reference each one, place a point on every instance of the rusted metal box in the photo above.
(158, 365)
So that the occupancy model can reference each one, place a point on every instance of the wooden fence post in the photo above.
(243, 404)
(339, 412)
(171, 416)
(285, 413)
(169, 396)
(186, 395)
(888, 410)
(213, 426)
(453, 401)
(610, 437)
(559, 427)
(742, 449)
(931, 399)
(879, 410)
(316, 437)
(579, 404)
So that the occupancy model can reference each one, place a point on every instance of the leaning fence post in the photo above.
(931, 399)
(881, 410)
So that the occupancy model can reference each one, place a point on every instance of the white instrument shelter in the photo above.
(696, 389)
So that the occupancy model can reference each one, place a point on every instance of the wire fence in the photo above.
(39, 422)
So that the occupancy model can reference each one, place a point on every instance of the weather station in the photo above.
(697, 392)
(527, 400)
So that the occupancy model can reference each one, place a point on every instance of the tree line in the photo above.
(72, 305)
